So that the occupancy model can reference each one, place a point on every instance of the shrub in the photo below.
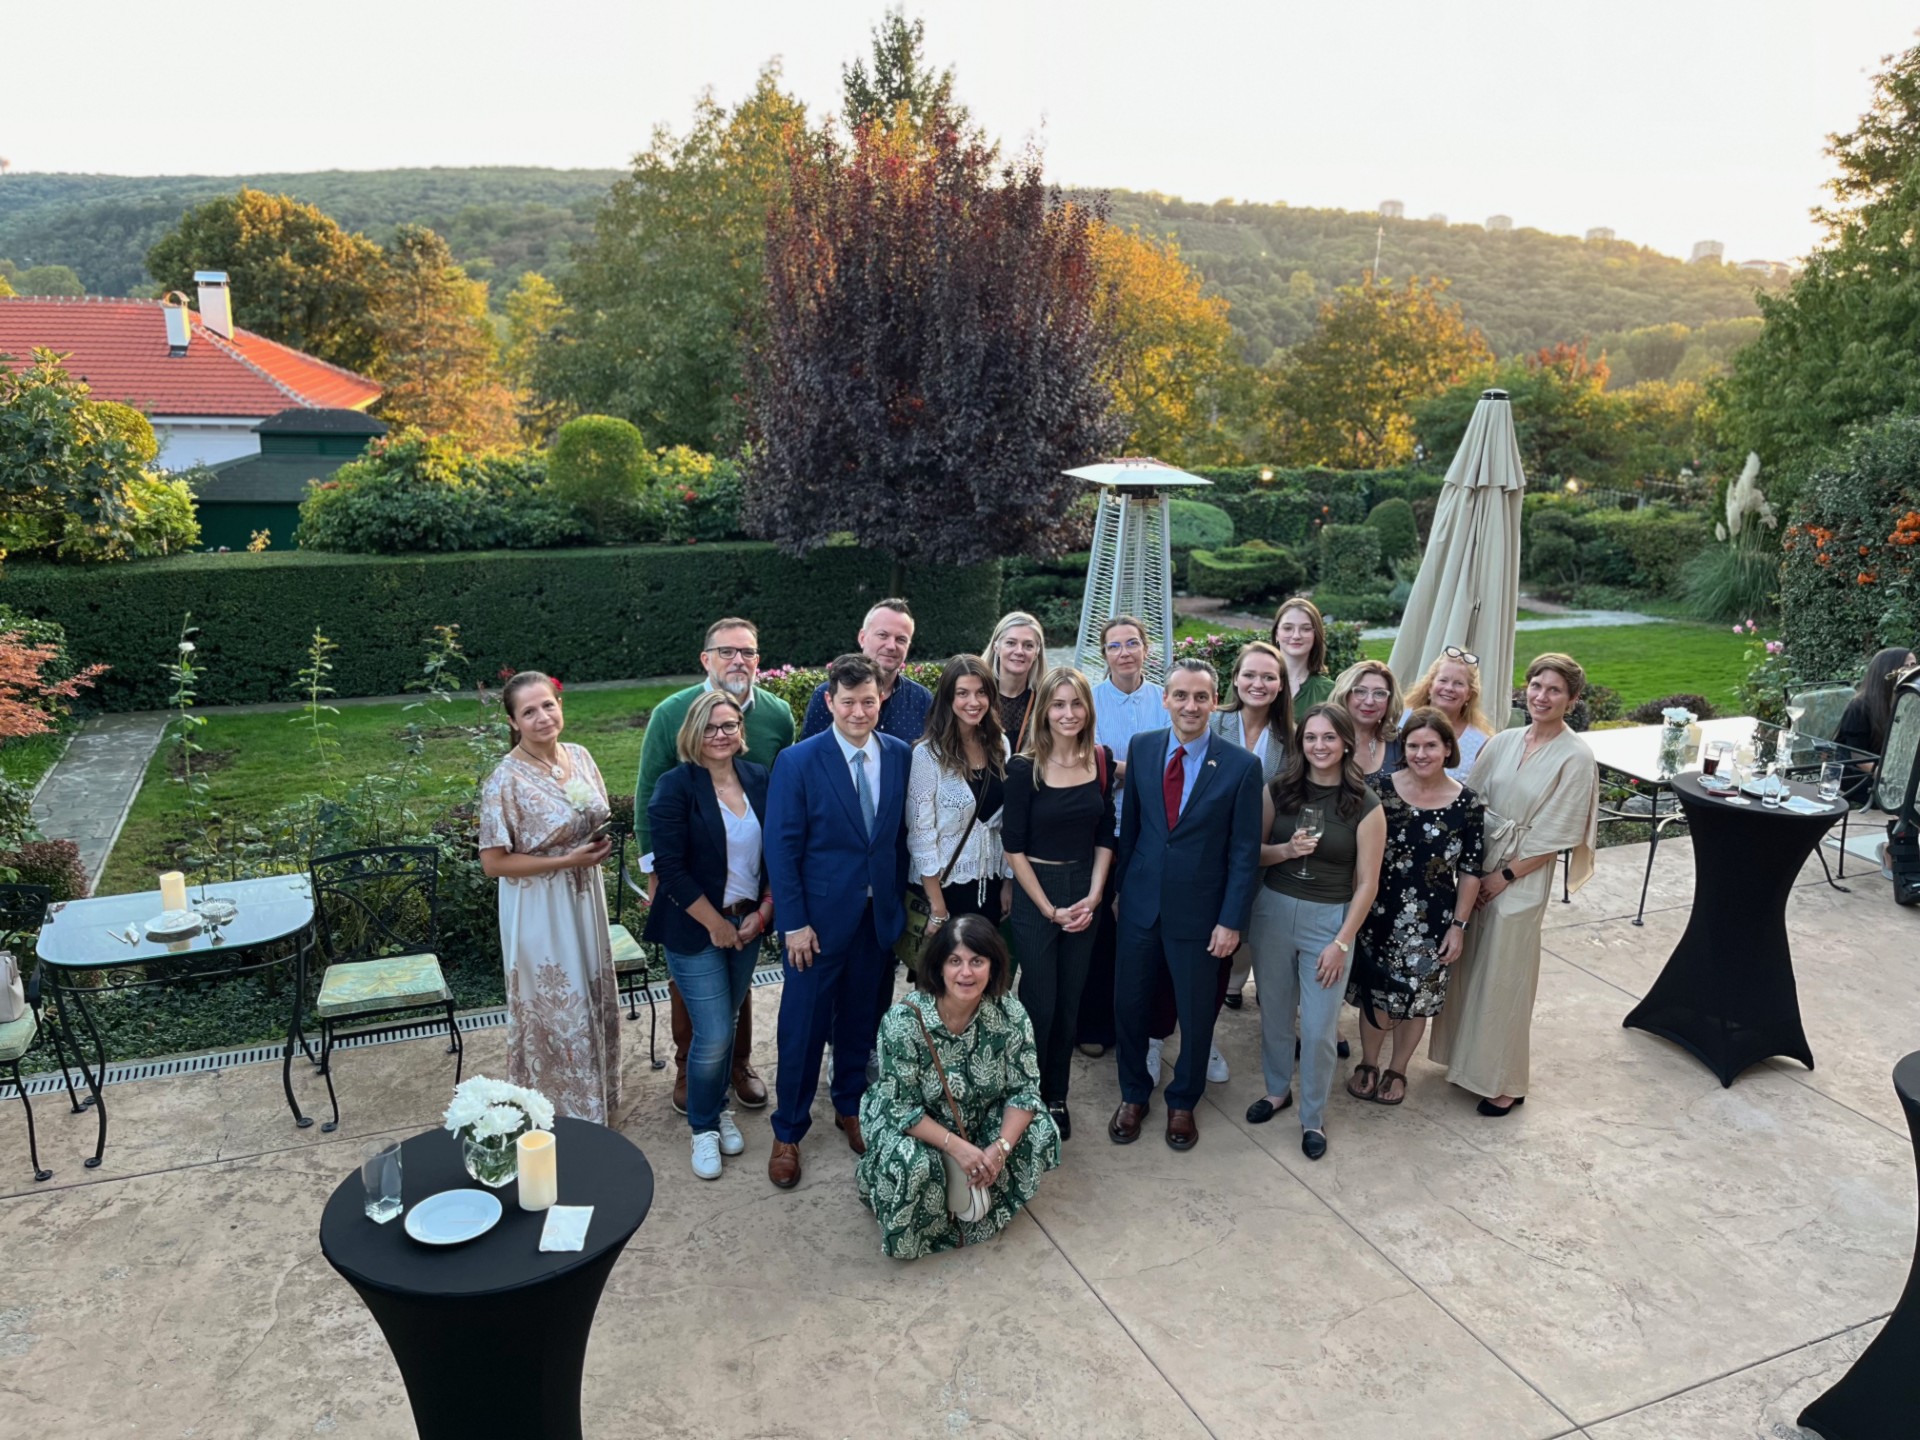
(1567, 547)
(1648, 711)
(1255, 571)
(1393, 522)
(598, 464)
(16, 815)
(1378, 608)
(795, 684)
(1732, 582)
(1349, 559)
(1223, 647)
(1195, 525)
(1848, 584)
(607, 613)
(53, 863)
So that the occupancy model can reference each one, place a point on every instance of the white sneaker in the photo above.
(731, 1142)
(1153, 1061)
(1216, 1067)
(706, 1154)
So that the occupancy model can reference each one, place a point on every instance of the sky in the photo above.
(1671, 122)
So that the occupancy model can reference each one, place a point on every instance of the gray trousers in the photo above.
(1286, 937)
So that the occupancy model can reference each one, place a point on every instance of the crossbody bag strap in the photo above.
(965, 835)
(953, 1107)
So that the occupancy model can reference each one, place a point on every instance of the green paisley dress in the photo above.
(992, 1067)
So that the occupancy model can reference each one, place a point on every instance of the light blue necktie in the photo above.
(865, 790)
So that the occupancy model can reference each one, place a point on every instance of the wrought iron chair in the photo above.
(377, 916)
(632, 958)
(23, 908)
(1824, 703)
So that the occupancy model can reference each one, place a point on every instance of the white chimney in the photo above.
(179, 331)
(216, 307)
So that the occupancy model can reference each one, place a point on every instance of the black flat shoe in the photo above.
(1500, 1112)
(1062, 1120)
(1093, 1052)
(1263, 1109)
(1312, 1144)
(1234, 1000)
(1343, 1050)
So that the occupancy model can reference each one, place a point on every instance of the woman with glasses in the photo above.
(712, 904)
(1452, 686)
(1301, 635)
(1257, 716)
(954, 796)
(1016, 654)
(1368, 692)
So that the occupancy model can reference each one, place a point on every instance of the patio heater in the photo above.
(1130, 571)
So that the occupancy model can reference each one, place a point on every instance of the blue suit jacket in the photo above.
(1203, 873)
(819, 856)
(690, 849)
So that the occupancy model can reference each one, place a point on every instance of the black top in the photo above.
(1051, 823)
(1013, 715)
(597, 1167)
(1856, 729)
(989, 791)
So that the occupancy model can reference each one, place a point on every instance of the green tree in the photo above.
(438, 354)
(1877, 155)
(1346, 394)
(535, 313)
(1565, 421)
(48, 280)
(667, 297)
(295, 275)
(900, 77)
(66, 461)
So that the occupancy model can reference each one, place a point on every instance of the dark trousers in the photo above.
(1194, 975)
(1164, 1017)
(833, 998)
(1053, 971)
(1096, 1001)
(964, 897)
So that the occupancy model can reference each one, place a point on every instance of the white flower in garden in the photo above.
(579, 793)
(1744, 499)
(186, 647)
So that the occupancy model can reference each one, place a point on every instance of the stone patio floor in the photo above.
(1637, 1255)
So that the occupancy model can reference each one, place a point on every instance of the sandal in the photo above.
(1387, 1077)
(1355, 1086)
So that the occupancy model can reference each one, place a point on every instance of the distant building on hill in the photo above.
(1499, 222)
(205, 383)
(1704, 250)
(1393, 210)
(1600, 232)
(264, 491)
(1772, 269)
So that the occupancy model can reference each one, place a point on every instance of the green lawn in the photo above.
(271, 763)
(25, 760)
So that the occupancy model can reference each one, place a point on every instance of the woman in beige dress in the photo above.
(1542, 795)
(543, 814)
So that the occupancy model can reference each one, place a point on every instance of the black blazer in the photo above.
(690, 849)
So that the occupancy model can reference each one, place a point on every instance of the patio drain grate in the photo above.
(125, 1071)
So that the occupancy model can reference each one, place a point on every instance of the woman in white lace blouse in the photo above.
(954, 794)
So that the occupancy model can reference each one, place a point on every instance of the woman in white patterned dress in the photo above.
(542, 818)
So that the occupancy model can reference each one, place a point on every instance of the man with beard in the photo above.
(885, 637)
(731, 658)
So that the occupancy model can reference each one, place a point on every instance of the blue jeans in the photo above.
(713, 982)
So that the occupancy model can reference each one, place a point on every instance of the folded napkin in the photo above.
(566, 1227)
(1801, 805)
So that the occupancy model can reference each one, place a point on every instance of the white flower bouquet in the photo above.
(488, 1116)
(579, 793)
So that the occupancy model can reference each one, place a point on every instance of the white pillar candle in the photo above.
(173, 890)
(539, 1171)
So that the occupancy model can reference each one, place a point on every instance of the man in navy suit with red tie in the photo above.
(836, 856)
(1184, 878)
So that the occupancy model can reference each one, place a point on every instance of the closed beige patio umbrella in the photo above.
(1468, 590)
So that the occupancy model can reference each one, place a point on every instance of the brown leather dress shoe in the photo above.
(783, 1166)
(850, 1127)
(1124, 1128)
(749, 1090)
(1182, 1132)
(680, 1090)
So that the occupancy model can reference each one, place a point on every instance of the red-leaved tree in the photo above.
(29, 702)
(934, 355)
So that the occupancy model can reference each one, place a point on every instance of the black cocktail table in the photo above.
(1880, 1394)
(1727, 993)
(491, 1336)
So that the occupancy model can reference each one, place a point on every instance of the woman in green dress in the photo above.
(1301, 634)
(1005, 1139)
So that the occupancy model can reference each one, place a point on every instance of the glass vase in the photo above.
(493, 1162)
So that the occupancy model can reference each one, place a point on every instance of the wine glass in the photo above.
(1307, 827)
(1741, 771)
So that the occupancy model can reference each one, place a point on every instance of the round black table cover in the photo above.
(1727, 992)
(491, 1336)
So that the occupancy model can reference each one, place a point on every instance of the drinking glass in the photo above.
(1741, 770)
(380, 1173)
(1773, 786)
(1831, 775)
(1715, 755)
(1306, 828)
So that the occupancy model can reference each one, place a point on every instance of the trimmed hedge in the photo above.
(1196, 525)
(1378, 608)
(1350, 559)
(1569, 545)
(607, 614)
(1399, 535)
(1244, 572)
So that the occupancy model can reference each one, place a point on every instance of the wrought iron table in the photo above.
(84, 951)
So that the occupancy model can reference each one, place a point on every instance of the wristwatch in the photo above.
(1001, 1141)
(1345, 948)
(1506, 874)
(1458, 924)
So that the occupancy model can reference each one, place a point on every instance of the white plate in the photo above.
(171, 924)
(453, 1216)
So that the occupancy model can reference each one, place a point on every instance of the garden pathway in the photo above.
(85, 796)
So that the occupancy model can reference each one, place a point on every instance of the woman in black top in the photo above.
(1864, 725)
(1058, 831)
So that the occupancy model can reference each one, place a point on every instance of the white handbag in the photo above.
(13, 994)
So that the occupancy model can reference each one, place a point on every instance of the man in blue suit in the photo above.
(1184, 878)
(836, 853)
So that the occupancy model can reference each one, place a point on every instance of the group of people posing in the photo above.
(1060, 863)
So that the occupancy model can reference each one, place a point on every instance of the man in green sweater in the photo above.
(731, 658)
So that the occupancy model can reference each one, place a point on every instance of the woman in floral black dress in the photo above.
(1417, 927)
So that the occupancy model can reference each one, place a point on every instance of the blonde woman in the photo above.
(1257, 716)
(1058, 833)
(1452, 686)
(1301, 634)
(1367, 691)
(1016, 655)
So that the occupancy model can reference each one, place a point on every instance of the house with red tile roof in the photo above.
(204, 382)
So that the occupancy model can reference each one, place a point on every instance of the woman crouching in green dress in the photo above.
(985, 1041)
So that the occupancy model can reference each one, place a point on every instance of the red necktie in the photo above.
(1175, 784)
